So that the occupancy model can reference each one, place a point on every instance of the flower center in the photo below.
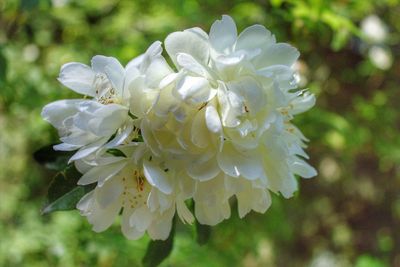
(105, 93)
(136, 190)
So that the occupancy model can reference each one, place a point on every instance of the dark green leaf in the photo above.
(138, 139)
(3, 67)
(132, 116)
(63, 193)
(203, 233)
(63, 183)
(116, 152)
(67, 201)
(159, 250)
(29, 4)
(51, 159)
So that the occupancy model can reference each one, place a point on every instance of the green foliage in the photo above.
(368, 261)
(29, 4)
(203, 233)
(3, 67)
(348, 215)
(159, 250)
(51, 159)
(63, 193)
(67, 201)
(116, 152)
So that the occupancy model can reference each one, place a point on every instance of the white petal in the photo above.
(66, 147)
(161, 227)
(280, 72)
(252, 93)
(199, 131)
(136, 62)
(198, 31)
(131, 74)
(277, 54)
(302, 103)
(78, 137)
(104, 218)
(254, 199)
(109, 193)
(183, 212)
(223, 62)
(78, 77)
(189, 63)
(101, 174)
(166, 102)
(108, 119)
(187, 186)
(154, 49)
(152, 200)
(189, 43)
(157, 71)
(56, 112)
(279, 176)
(254, 37)
(196, 89)
(302, 168)
(129, 232)
(157, 177)
(170, 78)
(85, 202)
(231, 107)
(213, 121)
(87, 150)
(141, 218)
(120, 137)
(148, 137)
(143, 61)
(99, 63)
(223, 34)
(236, 163)
(83, 166)
(116, 76)
(212, 215)
(203, 168)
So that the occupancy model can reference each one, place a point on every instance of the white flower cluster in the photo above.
(215, 125)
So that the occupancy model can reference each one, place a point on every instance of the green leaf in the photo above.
(116, 152)
(67, 201)
(51, 159)
(3, 67)
(340, 39)
(203, 233)
(369, 261)
(63, 182)
(29, 4)
(159, 250)
(63, 193)
(132, 116)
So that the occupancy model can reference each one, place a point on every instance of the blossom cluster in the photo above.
(212, 126)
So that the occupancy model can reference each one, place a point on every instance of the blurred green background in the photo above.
(349, 215)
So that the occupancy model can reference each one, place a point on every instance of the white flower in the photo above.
(141, 185)
(105, 80)
(236, 100)
(218, 127)
(381, 57)
(89, 124)
(374, 29)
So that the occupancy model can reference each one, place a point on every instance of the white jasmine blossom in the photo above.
(89, 124)
(217, 127)
(236, 93)
(141, 185)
